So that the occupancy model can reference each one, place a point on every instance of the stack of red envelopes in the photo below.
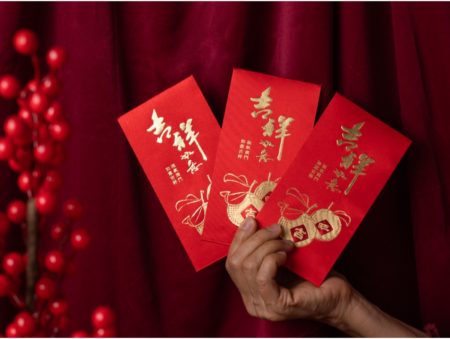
(268, 161)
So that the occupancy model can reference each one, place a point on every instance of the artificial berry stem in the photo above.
(32, 264)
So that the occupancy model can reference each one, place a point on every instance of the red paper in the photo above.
(175, 136)
(331, 185)
(267, 119)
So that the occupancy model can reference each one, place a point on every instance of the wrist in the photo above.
(360, 318)
(342, 316)
(350, 313)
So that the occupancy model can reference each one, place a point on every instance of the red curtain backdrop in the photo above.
(390, 58)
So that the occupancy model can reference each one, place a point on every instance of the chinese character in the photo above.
(263, 101)
(186, 155)
(247, 153)
(300, 233)
(178, 141)
(282, 133)
(339, 174)
(264, 156)
(266, 143)
(268, 128)
(193, 166)
(346, 161)
(191, 136)
(358, 169)
(350, 136)
(158, 127)
(250, 212)
(332, 185)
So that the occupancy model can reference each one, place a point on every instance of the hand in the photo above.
(253, 262)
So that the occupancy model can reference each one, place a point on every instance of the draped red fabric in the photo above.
(390, 58)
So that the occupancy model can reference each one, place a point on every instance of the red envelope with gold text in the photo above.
(174, 136)
(267, 119)
(331, 185)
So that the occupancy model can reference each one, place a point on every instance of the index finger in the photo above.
(245, 231)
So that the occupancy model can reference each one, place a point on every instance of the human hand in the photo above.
(253, 262)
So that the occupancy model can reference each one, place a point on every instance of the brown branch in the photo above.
(32, 241)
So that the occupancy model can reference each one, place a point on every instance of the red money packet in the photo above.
(174, 136)
(331, 185)
(267, 119)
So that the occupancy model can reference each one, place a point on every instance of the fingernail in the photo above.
(274, 228)
(248, 223)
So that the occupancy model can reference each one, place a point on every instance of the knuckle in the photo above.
(261, 281)
(232, 264)
(248, 265)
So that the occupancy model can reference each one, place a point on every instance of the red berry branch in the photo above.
(33, 146)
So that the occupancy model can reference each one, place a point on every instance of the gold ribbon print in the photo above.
(308, 223)
(250, 201)
(196, 219)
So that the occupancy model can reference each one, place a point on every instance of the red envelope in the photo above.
(174, 136)
(331, 185)
(267, 119)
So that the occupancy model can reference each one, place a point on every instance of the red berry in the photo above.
(38, 102)
(50, 85)
(58, 230)
(16, 211)
(104, 333)
(56, 57)
(45, 288)
(79, 239)
(26, 182)
(6, 149)
(32, 85)
(23, 155)
(5, 285)
(44, 152)
(72, 209)
(12, 331)
(16, 166)
(37, 174)
(26, 116)
(103, 317)
(43, 134)
(9, 87)
(52, 181)
(54, 112)
(45, 202)
(21, 161)
(59, 307)
(80, 334)
(26, 324)
(4, 224)
(59, 130)
(54, 261)
(25, 42)
(13, 264)
(15, 127)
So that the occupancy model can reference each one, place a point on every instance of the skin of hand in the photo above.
(254, 262)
